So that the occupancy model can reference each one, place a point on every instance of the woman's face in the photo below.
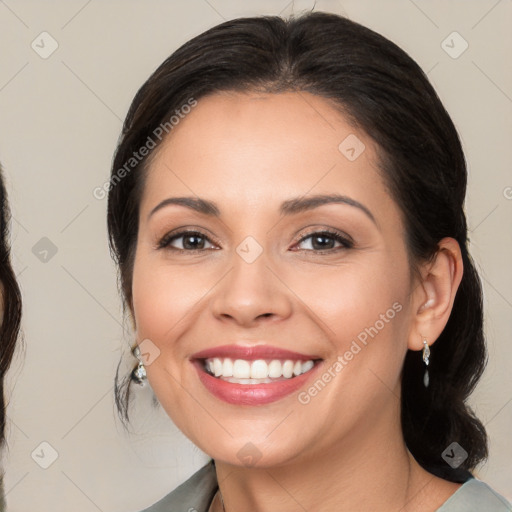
(262, 273)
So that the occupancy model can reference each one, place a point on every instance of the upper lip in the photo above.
(252, 352)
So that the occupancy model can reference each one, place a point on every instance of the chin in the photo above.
(257, 451)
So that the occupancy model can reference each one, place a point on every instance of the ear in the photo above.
(434, 294)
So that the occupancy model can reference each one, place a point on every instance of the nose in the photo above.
(251, 294)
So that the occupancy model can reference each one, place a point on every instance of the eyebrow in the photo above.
(289, 207)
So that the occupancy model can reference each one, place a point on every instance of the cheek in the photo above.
(375, 323)
(162, 303)
(364, 310)
(165, 299)
(353, 296)
(154, 308)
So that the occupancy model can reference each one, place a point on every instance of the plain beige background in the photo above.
(60, 119)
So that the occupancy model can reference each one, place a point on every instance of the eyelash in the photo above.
(346, 243)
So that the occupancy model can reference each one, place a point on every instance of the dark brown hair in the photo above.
(11, 301)
(385, 93)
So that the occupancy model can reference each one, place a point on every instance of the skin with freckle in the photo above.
(248, 153)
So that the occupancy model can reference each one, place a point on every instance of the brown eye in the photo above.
(186, 241)
(325, 241)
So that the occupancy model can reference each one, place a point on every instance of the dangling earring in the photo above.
(426, 354)
(139, 372)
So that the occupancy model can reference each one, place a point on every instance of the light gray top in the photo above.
(196, 495)
(475, 496)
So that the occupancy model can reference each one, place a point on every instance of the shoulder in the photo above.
(475, 496)
(193, 495)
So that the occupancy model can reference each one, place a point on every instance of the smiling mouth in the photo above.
(257, 371)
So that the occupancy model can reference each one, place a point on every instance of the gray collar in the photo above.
(195, 494)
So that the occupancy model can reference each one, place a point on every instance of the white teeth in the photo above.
(288, 369)
(217, 367)
(241, 369)
(275, 369)
(227, 368)
(247, 381)
(307, 366)
(257, 371)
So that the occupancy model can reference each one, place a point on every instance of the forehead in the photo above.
(254, 147)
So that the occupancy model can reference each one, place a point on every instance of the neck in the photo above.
(369, 469)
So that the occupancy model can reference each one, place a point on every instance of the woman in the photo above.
(286, 210)
(10, 312)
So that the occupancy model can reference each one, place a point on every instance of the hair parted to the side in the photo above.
(10, 300)
(380, 89)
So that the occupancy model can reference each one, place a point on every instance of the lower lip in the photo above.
(252, 394)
